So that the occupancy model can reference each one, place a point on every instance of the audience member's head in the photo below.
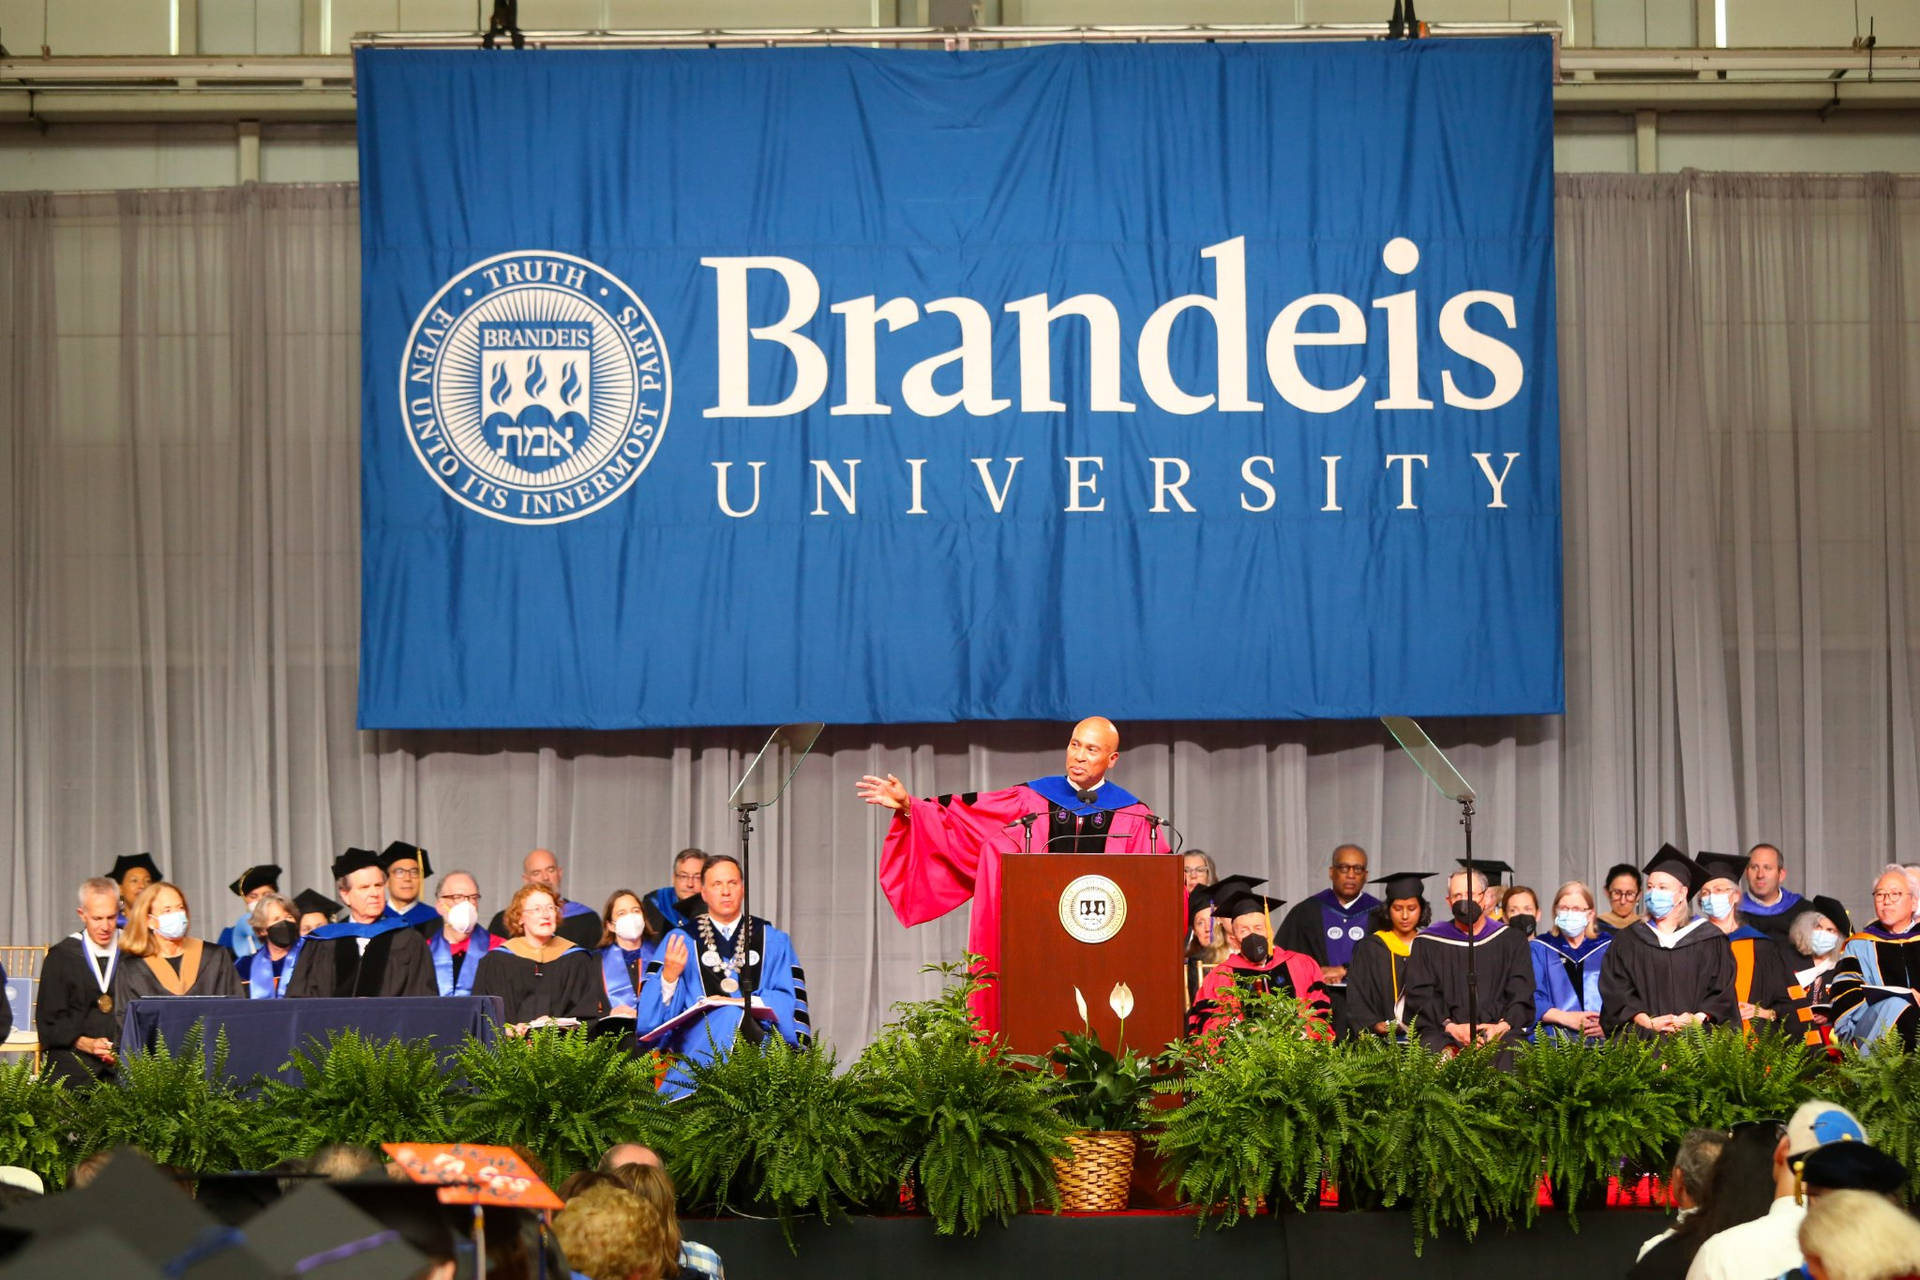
(628, 1153)
(1693, 1166)
(1858, 1235)
(655, 1186)
(88, 1169)
(609, 1233)
(1741, 1187)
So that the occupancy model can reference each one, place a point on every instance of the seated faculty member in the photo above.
(1760, 977)
(1328, 925)
(314, 909)
(1623, 898)
(1566, 968)
(727, 957)
(369, 953)
(1377, 974)
(633, 938)
(537, 973)
(1672, 970)
(453, 939)
(266, 973)
(1437, 974)
(1765, 901)
(407, 868)
(942, 852)
(133, 873)
(254, 884)
(579, 923)
(1873, 988)
(679, 903)
(1256, 964)
(159, 957)
(74, 1014)
(1816, 940)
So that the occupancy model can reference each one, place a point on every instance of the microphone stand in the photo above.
(1473, 978)
(759, 787)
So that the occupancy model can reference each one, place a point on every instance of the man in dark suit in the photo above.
(370, 953)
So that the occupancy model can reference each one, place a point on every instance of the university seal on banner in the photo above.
(1092, 908)
(535, 387)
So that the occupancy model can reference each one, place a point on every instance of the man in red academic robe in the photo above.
(1262, 964)
(941, 852)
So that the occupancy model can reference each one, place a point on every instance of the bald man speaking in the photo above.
(941, 852)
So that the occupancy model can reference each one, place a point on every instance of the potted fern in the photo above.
(176, 1106)
(1105, 1097)
(1882, 1087)
(1594, 1109)
(352, 1090)
(36, 1112)
(561, 1093)
(972, 1135)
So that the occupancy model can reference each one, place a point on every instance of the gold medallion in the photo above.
(104, 1004)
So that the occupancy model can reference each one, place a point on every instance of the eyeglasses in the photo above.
(686, 877)
(461, 897)
(1349, 867)
(1889, 895)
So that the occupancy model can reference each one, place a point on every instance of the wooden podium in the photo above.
(1089, 920)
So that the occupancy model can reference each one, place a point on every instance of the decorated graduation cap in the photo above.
(310, 901)
(1721, 866)
(134, 862)
(356, 860)
(1679, 866)
(1404, 884)
(266, 876)
(400, 851)
(1494, 869)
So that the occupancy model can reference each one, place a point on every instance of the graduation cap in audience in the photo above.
(414, 1209)
(316, 1232)
(1851, 1166)
(308, 901)
(133, 1200)
(85, 1253)
(132, 862)
(399, 851)
(1679, 866)
(267, 875)
(1494, 869)
(1721, 866)
(1401, 885)
(356, 860)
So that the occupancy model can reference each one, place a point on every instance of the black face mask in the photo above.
(1525, 923)
(1255, 948)
(1466, 913)
(283, 933)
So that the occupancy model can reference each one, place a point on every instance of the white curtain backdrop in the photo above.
(1740, 378)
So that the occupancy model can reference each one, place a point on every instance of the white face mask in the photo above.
(629, 927)
(171, 925)
(462, 916)
(1571, 923)
(1717, 905)
(1824, 941)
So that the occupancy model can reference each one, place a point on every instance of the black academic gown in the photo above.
(1641, 976)
(583, 929)
(1436, 981)
(1760, 970)
(1375, 976)
(68, 1008)
(569, 986)
(137, 979)
(396, 963)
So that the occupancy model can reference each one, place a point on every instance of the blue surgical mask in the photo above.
(1717, 905)
(1571, 923)
(1660, 902)
(1824, 941)
(171, 925)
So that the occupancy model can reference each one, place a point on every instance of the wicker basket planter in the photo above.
(1095, 1179)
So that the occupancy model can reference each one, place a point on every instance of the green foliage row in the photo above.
(1265, 1115)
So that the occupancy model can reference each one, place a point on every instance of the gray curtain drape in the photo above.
(180, 389)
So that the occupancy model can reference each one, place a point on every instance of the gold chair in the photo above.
(24, 962)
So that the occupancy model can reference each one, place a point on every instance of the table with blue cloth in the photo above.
(262, 1034)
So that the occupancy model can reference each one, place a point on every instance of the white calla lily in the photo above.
(1121, 1001)
(1080, 1002)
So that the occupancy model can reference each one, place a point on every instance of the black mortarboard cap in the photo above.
(356, 860)
(1404, 884)
(84, 1253)
(1852, 1166)
(1222, 890)
(401, 849)
(1721, 866)
(1492, 868)
(1834, 910)
(315, 1232)
(143, 1207)
(307, 901)
(127, 862)
(1678, 865)
(254, 877)
(413, 1208)
(1242, 903)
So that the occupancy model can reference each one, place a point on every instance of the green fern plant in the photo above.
(774, 1126)
(1720, 1076)
(176, 1106)
(1466, 1168)
(561, 1093)
(1882, 1088)
(965, 1124)
(354, 1091)
(36, 1117)
(1590, 1106)
(1268, 1112)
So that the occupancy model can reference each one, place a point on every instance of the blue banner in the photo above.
(1162, 382)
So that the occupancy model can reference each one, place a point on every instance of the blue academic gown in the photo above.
(417, 914)
(479, 942)
(668, 903)
(1566, 976)
(712, 1035)
(257, 975)
(240, 938)
(619, 968)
